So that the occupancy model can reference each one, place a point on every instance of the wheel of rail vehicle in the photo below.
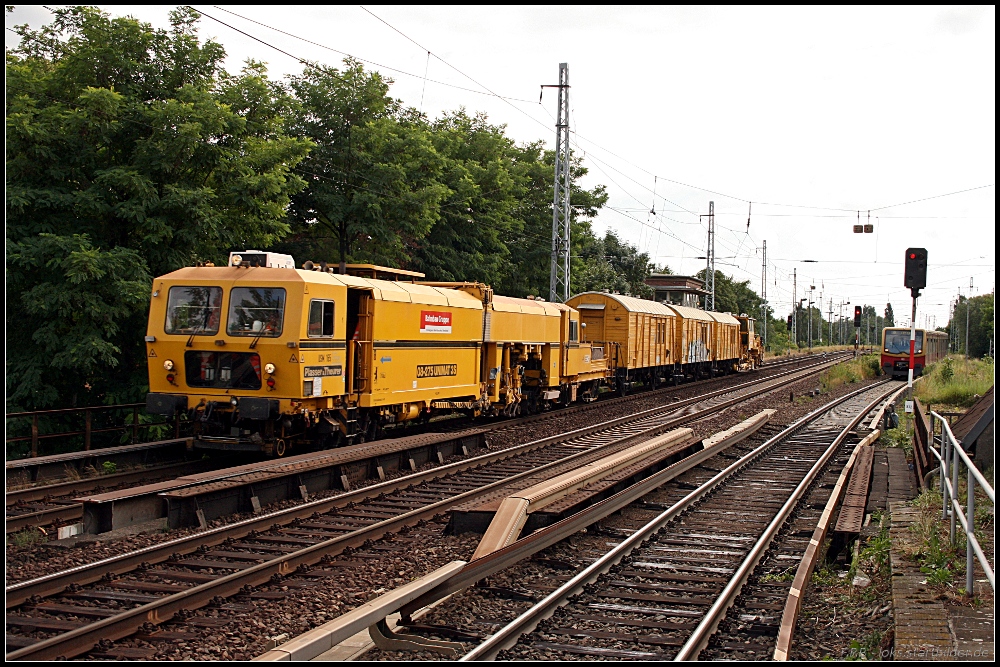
(280, 447)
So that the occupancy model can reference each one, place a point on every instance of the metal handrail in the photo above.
(951, 453)
(88, 430)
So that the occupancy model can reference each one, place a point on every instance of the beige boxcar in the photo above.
(639, 335)
(725, 348)
(694, 333)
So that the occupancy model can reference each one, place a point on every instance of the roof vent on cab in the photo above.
(249, 258)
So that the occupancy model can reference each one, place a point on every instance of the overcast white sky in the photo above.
(812, 114)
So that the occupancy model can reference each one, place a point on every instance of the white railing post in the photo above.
(953, 491)
(952, 454)
(970, 533)
(944, 470)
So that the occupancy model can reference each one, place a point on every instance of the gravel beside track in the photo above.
(241, 626)
(41, 558)
(37, 560)
(482, 610)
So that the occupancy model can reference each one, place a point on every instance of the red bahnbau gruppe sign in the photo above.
(432, 321)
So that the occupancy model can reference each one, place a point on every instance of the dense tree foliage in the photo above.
(131, 153)
(610, 263)
(978, 312)
(373, 173)
(454, 198)
(732, 296)
(890, 320)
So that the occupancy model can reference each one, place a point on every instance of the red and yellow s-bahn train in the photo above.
(264, 356)
(929, 347)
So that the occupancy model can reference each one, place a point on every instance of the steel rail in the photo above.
(57, 582)
(45, 517)
(508, 636)
(62, 489)
(83, 639)
(793, 603)
(554, 533)
(699, 638)
(70, 510)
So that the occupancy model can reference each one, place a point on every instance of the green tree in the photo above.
(978, 312)
(486, 180)
(374, 175)
(732, 296)
(614, 265)
(530, 246)
(129, 154)
(889, 319)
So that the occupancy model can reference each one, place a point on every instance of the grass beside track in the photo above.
(955, 381)
(856, 370)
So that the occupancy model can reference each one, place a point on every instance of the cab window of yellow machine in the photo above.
(320, 318)
(256, 311)
(193, 311)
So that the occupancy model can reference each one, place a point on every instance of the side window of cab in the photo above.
(321, 318)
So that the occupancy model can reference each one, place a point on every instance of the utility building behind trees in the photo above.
(677, 290)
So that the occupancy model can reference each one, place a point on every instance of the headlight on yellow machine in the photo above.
(269, 368)
(168, 365)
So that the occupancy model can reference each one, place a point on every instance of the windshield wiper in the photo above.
(257, 338)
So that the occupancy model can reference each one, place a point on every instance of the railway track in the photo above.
(42, 506)
(56, 504)
(68, 613)
(663, 590)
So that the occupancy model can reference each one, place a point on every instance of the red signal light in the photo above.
(913, 255)
(270, 383)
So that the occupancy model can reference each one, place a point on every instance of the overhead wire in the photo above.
(358, 58)
(947, 194)
(586, 139)
(491, 92)
(508, 100)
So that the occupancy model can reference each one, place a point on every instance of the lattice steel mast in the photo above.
(763, 292)
(710, 256)
(559, 277)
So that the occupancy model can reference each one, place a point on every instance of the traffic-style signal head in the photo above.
(789, 322)
(915, 276)
(857, 316)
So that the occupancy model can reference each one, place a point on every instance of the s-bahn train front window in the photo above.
(193, 311)
(897, 341)
(256, 311)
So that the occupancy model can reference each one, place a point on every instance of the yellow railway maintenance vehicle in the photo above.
(752, 348)
(264, 357)
(532, 356)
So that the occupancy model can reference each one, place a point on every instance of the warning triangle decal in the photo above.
(293, 360)
(152, 353)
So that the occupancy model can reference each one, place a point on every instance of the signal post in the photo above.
(915, 277)
(857, 330)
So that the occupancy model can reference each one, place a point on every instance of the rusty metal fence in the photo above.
(73, 429)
